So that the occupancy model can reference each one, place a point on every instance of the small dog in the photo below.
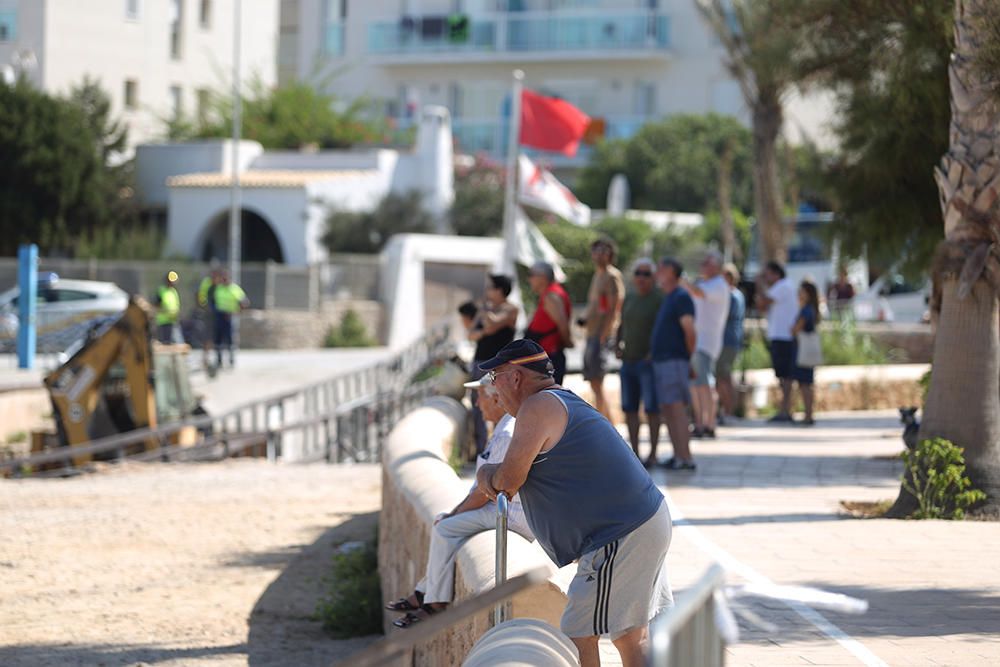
(908, 416)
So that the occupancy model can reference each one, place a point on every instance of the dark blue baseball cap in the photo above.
(524, 353)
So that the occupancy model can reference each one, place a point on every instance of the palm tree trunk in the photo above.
(767, 118)
(963, 404)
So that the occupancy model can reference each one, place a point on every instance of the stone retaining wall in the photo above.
(417, 484)
(297, 329)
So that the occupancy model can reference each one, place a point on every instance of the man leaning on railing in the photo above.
(588, 499)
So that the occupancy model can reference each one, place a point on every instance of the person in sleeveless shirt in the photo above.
(550, 325)
(586, 498)
(491, 327)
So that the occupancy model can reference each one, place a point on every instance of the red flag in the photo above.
(551, 124)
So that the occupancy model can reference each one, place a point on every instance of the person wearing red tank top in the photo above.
(549, 326)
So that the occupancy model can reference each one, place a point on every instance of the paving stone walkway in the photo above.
(765, 501)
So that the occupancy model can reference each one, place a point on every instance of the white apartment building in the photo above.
(155, 58)
(626, 61)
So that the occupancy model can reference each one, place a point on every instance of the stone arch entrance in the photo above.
(258, 242)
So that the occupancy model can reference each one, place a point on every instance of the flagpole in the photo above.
(510, 189)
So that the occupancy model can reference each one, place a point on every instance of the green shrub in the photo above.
(842, 346)
(352, 602)
(368, 231)
(925, 386)
(351, 332)
(937, 480)
(17, 436)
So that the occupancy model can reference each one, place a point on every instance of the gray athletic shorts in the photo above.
(623, 585)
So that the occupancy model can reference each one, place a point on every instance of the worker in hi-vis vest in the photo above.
(206, 311)
(168, 311)
(229, 300)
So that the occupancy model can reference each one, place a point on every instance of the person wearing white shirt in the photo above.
(780, 301)
(475, 514)
(711, 306)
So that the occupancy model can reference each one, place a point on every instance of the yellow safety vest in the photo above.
(228, 298)
(170, 305)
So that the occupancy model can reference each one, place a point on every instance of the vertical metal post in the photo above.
(500, 613)
(510, 185)
(235, 204)
(27, 279)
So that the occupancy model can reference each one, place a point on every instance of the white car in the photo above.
(891, 299)
(62, 303)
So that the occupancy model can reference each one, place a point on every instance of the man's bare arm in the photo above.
(541, 421)
(494, 322)
(687, 324)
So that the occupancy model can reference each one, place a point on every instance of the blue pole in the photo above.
(27, 279)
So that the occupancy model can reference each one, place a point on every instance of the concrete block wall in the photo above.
(417, 484)
(295, 329)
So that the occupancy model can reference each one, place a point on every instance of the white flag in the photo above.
(530, 245)
(540, 189)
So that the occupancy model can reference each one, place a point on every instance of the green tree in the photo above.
(672, 164)
(762, 44)
(53, 185)
(888, 64)
(368, 231)
(289, 117)
(478, 206)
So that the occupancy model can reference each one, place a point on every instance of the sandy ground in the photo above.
(177, 564)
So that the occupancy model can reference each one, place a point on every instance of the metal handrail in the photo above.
(388, 651)
(120, 441)
(503, 509)
(703, 616)
(686, 608)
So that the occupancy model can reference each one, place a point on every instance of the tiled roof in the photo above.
(278, 178)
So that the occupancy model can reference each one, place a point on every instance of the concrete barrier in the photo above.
(417, 484)
(523, 642)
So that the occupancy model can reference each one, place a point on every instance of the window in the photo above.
(176, 20)
(8, 26)
(203, 99)
(176, 102)
(71, 295)
(131, 94)
(132, 9)
(205, 14)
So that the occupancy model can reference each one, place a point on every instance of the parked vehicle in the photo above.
(62, 303)
(892, 299)
(813, 253)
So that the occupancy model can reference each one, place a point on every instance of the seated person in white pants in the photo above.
(475, 514)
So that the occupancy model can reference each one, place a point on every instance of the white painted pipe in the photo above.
(523, 642)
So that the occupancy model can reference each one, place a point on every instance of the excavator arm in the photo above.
(75, 388)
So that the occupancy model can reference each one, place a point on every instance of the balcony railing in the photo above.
(521, 33)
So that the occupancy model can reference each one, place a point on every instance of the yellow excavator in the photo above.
(117, 381)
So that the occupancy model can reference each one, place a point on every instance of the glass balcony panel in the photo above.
(522, 32)
(335, 39)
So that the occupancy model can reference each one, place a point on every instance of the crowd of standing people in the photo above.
(678, 340)
(577, 487)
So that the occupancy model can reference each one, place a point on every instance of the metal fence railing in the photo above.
(345, 418)
(268, 285)
(697, 628)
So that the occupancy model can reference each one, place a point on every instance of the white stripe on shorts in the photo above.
(604, 588)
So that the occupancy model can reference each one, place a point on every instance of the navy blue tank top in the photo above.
(589, 489)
